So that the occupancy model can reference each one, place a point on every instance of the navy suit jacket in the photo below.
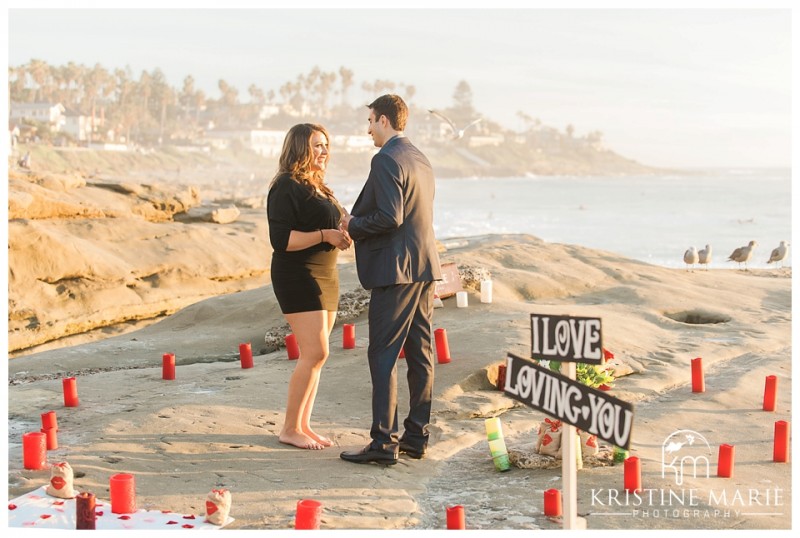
(392, 223)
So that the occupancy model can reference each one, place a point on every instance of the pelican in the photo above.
(690, 257)
(743, 254)
(779, 253)
(704, 256)
(457, 133)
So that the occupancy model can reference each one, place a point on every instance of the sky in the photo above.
(677, 87)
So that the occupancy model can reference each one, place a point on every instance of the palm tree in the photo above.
(39, 72)
(17, 90)
(346, 81)
(186, 95)
(324, 88)
(95, 86)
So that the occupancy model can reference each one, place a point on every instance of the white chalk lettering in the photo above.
(595, 404)
(546, 338)
(572, 397)
(577, 335)
(622, 436)
(525, 381)
(537, 389)
(562, 338)
(535, 350)
(590, 350)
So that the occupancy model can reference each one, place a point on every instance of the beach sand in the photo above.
(216, 424)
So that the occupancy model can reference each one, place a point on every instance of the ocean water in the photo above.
(654, 219)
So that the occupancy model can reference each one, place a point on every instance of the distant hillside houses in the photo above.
(268, 143)
(51, 114)
(25, 119)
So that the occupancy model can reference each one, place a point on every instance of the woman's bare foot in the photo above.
(300, 440)
(321, 439)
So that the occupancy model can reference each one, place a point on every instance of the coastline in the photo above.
(216, 424)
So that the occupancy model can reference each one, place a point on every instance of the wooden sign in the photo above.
(586, 408)
(450, 283)
(566, 338)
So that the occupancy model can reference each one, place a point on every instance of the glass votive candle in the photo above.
(123, 493)
(486, 291)
(308, 514)
(34, 451)
(462, 299)
(49, 420)
(70, 386)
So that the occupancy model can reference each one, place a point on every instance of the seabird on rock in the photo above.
(779, 253)
(704, 256)
(743, 254)
(690, 257)
(457, 133)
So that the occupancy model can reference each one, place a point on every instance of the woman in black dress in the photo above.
(304, 232)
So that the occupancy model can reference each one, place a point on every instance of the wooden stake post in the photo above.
(569, 340)
(569, 467)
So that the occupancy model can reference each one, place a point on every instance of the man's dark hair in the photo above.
(393, 107)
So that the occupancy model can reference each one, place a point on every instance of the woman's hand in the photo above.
(338, 238)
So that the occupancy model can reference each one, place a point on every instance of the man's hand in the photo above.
(345, 224)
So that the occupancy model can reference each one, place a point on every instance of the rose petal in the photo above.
(187, 526)
(45, 516)
(170, 522)
(12, 506)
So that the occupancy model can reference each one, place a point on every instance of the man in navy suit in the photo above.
(397, 259)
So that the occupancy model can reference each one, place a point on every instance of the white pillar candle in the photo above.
(497, 447)
(486, 291)
(461, 299)
(493, 428)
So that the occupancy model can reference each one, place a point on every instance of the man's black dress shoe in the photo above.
(411, 451)
(369, 455)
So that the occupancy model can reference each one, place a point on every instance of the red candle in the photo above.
(780, 451)
(70, 391)
(552, 502)
(442, 349)
(51, 437)
(770, 393)
(501, 377)
(168, 366)
(725, 461)
(292, 349)
(308, 514)
(403, 352)
(633, 474)
(349, 336)
(455, 517)
(246, 355)
(34, 450)
(698, 383)
(85, 515)
(123, 493)
(49, 420)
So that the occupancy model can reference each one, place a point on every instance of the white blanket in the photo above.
(39, 510)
